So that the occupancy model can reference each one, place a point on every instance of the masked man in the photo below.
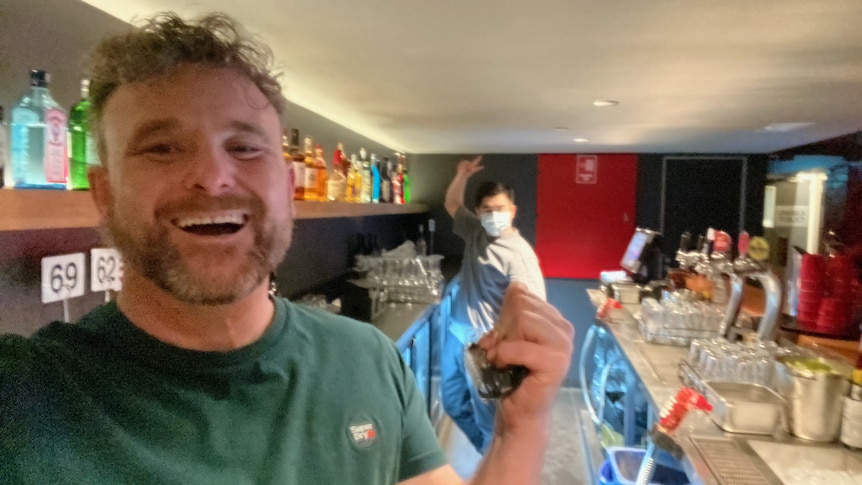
(495, 255)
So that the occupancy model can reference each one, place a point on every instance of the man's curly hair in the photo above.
(166, 42)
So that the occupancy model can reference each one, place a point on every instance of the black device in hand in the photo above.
(492, 382)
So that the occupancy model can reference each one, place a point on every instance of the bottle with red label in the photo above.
(39, 138)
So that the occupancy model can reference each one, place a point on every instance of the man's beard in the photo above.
(154, 257)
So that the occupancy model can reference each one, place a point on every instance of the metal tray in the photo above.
(746, 408)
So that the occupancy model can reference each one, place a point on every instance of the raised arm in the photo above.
(455, 192)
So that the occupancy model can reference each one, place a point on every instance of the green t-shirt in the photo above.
(318, 399)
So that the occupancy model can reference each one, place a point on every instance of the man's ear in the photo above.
(514, 211)
(100, 189)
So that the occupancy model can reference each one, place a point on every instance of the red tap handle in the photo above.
(684, 401)
(742, 246)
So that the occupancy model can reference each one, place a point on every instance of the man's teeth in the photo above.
(200, 221)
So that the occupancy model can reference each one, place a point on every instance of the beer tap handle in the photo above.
(685, 241)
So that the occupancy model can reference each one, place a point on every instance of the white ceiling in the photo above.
(498, 76)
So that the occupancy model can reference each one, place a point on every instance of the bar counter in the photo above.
(398, 320)
(712, 456)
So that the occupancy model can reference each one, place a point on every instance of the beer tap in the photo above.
(701, 262)
(684, 255)
(751, 265)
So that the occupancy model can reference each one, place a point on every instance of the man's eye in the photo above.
(244, 151)
(161, 149)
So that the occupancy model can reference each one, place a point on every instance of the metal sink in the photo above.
(723, 459)
(810, 463)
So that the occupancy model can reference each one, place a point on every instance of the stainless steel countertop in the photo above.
(657, 367)
(397, 318)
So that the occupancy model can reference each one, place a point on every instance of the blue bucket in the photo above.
(625, 463)
(606, 474)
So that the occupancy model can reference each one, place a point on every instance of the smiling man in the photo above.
(196, 374)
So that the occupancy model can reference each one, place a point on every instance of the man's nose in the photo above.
(211, 170)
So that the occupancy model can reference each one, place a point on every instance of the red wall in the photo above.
(584, 228)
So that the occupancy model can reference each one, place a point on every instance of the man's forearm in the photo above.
(455, 193)
(515, 458)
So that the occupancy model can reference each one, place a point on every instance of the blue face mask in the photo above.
(495, 223)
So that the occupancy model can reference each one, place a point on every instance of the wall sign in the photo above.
(106, 270)
(63, 277)
(791, 216)
(587, 169)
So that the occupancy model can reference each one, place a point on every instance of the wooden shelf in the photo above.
(22, 210)
(324, 210)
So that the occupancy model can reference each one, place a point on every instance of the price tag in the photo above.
(63, 277)
(106, 270)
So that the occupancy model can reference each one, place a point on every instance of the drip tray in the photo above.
(731, 462)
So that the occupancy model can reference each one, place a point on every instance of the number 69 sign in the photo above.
(63, 277)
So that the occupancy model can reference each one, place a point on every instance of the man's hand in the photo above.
(467, 168)
(532, 333)
(455, 192)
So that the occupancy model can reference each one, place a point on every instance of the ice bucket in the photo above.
(814, 388)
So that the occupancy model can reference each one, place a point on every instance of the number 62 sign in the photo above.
(106, 270)
(63, 277)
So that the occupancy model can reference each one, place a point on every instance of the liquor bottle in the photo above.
(345, 163)
(367, 182)
(432, 228)
(4, 147)
(336, 186)
(285, 148)
(338, 159)
(386, 173)
(405, 184)
(421, 245)
(320, 167)
(398, 181)
(82, 147)
(310, 183)
(286, 153)
(38, 138)
(354, 181)
(375, 180)
(298, 165)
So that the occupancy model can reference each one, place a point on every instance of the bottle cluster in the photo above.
(49, 148)
(362, 179)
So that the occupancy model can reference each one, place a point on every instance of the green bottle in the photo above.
(406, 187)
(81, 144)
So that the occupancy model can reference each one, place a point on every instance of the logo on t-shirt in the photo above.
(362, 432)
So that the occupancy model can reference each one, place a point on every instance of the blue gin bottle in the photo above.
(38, 138)
(375, 180)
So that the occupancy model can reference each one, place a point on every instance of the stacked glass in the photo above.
(678, 321)
(404, 279)
(717, 359)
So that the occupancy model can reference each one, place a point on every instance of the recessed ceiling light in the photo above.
(561, 128)
(787, 126)
(581, 140)
(603, 103)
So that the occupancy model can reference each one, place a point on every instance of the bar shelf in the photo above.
(23, 210)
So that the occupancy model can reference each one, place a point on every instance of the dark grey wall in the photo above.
(54, 35)
(431, 175)
(649, 194)
(322, 250)
(329, 134)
